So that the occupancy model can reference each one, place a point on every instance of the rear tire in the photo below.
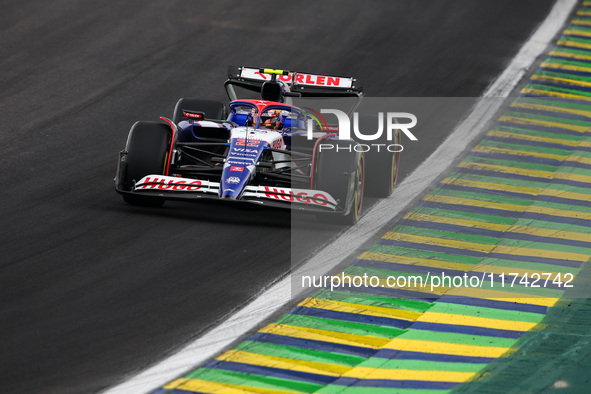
(147, 153)
(212, 109)
(382, 168)
(382, 165)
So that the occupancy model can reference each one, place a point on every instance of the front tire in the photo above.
(147, 153)
(342, 175)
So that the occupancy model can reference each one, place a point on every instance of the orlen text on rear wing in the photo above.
(303, 84)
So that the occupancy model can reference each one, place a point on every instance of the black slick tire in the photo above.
(147, 153)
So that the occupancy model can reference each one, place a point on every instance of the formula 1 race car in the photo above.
(263, 149)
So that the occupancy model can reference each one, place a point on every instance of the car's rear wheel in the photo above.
(342, 175)
(357, 204)
(147, 153)
(212, 109)
(382, 171)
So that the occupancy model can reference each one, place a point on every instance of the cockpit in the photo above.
(260, 115)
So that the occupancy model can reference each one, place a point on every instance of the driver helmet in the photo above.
(275, 118)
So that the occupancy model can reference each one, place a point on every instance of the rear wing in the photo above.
(300, 84)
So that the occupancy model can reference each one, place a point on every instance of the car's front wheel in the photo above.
(341, 173)
(147, 153)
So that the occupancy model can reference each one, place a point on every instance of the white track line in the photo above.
(276, 296)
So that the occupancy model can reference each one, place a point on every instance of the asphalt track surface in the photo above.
(91, 289)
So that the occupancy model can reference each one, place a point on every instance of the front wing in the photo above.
(187, 188)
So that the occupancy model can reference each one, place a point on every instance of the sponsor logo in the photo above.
(236, 169)
(193, 115)
(233, 179)
(239, 162)
(320, 80)
(160, 183)
(300, 78)
(254, 141)
(240, 154)
(277, 144)
(304, 197)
